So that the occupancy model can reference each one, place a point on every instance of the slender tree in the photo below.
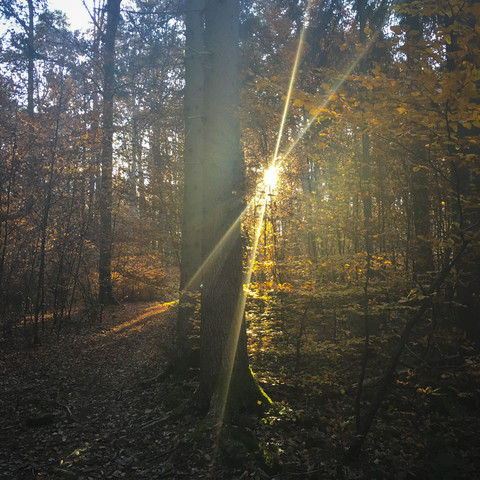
(105, 294)
(11, 9)
(463, 150)
(192, 196)
(423, 255)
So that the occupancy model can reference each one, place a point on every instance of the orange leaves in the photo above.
(317, 111)
(428, 390)
(259, 289)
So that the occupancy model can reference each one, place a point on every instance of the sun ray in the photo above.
(239, 313)
(269, 183)
(326, 101)
(293, 76)
(270, 178)
(215, 251)
(289, 95)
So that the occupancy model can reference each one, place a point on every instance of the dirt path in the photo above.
(81, 407)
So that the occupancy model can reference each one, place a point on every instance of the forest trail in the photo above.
(78, 408)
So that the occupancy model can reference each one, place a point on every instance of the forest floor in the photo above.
(92, 405)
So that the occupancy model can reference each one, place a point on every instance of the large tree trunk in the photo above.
(192, 195)
(105, 294)
(226, 381)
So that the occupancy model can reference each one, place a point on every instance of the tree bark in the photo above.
(30, 57)
(421, 219)
(226, 381)
(421, 207)
(192, 194)
(466, 179)
(105, 294)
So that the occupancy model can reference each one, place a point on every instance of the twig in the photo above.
(66, 407)
(176, 412)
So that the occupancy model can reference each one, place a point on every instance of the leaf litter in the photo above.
(95, 405)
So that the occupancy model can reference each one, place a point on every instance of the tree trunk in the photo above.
(226, 381)
(421, 206)
(30, 57)
(192, 194)
(421, 221)
(466, 179)
(105, 294)
(40, 291)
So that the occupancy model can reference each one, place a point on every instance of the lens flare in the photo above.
(270, 178)
(270, 181)
(298, 56)
(296, 64)
(328, 98)
(224, 241)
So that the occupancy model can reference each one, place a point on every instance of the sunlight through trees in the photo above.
(302, 176)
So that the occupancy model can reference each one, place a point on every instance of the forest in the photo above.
(240, 239)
